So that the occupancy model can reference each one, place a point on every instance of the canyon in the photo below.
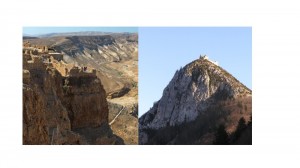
(74, 86)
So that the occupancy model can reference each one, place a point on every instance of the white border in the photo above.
(276, 113)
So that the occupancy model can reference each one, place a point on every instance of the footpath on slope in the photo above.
(116, 116)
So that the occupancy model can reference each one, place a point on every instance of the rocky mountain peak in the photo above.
(193, 89)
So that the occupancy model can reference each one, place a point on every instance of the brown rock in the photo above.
(53, 107)
(86, 102)
(34, 118)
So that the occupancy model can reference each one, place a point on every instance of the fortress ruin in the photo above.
(39, 58)
(205, 57)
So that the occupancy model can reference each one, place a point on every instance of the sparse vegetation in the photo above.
(222, 95)
(214, 79)
(73, 95)
(120, 73)
(206, 125)
(195, 75)
(134, 84)
(219, 117)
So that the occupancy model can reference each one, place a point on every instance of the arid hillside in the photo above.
(80, 79)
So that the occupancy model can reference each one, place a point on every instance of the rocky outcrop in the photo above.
(86, 102)
(53, 106)
(98, 52)
(34, 117)
(195, 90)
(75, 102)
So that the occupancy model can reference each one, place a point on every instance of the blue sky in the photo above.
(164, 50)
(46, 30)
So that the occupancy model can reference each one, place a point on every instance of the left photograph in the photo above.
(80, 85)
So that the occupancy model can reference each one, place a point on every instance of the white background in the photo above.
(276, 107)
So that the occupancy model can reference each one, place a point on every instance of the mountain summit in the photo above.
(201, 95)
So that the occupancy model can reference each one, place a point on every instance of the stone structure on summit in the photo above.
(205, 57)
(38, 57)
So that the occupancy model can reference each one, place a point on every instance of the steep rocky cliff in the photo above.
(114, 59)
(54, 107)
(200, 97)
(34, 118)
(112, 55)
(85, 99)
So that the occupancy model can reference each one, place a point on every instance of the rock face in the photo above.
(101, 52)
(34, 118)
(75, 98)
(54, 106)
(197, 90)
(85, 99)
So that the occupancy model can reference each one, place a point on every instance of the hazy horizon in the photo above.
(37, 31)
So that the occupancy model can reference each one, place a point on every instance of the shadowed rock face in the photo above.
(53, 108)
(85, 99)
(194, 93)
(113, 57)
(34, 118)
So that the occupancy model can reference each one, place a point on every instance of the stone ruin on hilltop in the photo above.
(205, 57)
(37, 57)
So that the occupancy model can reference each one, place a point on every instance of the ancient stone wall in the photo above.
(77, 72)
(61, 67)
(26, 44)
(36, 63)
(56, 56)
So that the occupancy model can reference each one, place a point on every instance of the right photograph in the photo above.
(195, 86)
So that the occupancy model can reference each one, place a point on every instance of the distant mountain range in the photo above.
(83, 33)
